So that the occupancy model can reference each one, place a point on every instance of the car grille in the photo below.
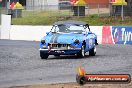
(60, 46)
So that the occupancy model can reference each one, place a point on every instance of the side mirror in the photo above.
(89, 32)
(47, 33)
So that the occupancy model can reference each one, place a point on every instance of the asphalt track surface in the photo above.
(20, 63)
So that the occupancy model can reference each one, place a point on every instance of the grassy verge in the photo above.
(48, 18)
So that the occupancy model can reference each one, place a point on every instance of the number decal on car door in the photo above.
(90, 43)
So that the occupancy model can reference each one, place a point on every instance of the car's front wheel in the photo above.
(81, 52)
(92, 52)
(43, 55)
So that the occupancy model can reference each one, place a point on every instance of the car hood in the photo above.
(63, 38)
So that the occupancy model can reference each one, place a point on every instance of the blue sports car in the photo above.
(68, 38)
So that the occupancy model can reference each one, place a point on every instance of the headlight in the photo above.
(43, 41)
(76, 41)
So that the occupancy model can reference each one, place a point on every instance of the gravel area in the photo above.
(75, 85)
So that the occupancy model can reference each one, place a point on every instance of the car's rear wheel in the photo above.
(92, 52)
(81, 52)
(43, 55)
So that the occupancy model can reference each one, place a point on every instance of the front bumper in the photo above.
(60, 51)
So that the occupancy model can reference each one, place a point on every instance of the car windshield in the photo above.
(69, 28)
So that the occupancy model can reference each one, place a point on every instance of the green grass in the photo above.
(33, 20)
(49, 17)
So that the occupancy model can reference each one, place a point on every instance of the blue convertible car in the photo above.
(68, 38)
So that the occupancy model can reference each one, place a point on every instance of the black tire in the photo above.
(81, 52)
(96, 43)
(43, 55)
(92, 52)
